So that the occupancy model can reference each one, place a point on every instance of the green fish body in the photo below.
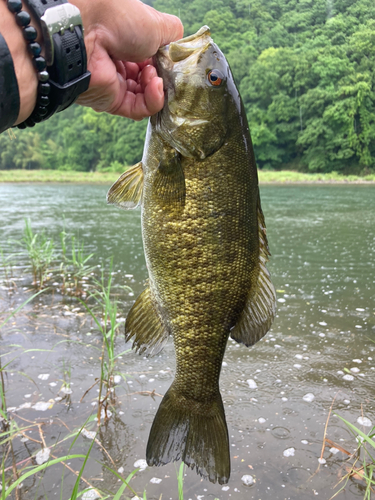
(205, 245)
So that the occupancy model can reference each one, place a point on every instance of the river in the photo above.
(277, 394)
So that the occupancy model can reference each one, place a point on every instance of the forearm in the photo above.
(23, 66)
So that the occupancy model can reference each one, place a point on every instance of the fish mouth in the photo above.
(168, 55)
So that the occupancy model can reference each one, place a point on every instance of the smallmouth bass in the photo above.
(205, 246)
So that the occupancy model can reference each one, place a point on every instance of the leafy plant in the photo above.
(104, 313)
(361, 463)
(40, 250)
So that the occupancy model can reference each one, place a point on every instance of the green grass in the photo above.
(282, 177)
(361, 464)
(58, 176)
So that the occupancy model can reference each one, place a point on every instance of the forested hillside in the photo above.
(306, 73)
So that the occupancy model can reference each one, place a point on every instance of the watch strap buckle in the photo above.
(58, 19)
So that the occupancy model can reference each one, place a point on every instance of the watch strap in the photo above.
(68, 75)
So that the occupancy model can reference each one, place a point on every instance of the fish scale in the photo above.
(205, 247)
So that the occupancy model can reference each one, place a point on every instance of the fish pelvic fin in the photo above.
(260, 308)
(192, 431)
(126, 192)
(169, 182)
(145, 326)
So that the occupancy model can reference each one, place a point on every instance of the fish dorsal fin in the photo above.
(145, 326)
(260, 308)
(126, 192)
(169, 182)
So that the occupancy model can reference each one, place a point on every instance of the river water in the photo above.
(277, 394)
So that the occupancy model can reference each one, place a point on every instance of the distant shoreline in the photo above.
(283, 177)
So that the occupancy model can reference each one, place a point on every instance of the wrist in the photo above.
(25, 73)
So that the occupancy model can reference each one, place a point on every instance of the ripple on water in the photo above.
(280, 432)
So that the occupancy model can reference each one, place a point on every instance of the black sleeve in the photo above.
(9, 94)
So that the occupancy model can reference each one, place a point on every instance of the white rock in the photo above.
(322, 460)
(42, 405)
(322, 323)
(304, 441)
(247, 480)
(225, 488)
(27, 395)
(44, 376)
(90, 495)
(261, 420)
(117, 379)
(348, 377)
(289, 452)
(66, 390)
(354, 370)
(224, 363)
(366, 422)
(334, 450)
(42, 456)
(298, 356)
(252, 383)
(281, 300)
(357, 361)
(52, 384)
(88, 434)
(141, 464)
(120, 470)
(309, 397)
(155, 480)
(297, 366)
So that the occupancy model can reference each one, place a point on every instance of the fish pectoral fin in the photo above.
(195, 432)
(260, 308)
(145, 326)
(169, 182)
(126, 192)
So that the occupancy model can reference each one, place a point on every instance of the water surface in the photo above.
(277, 394)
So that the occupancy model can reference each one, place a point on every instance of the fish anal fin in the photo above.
(169, 182)
(145, 326)
(192, 431)
(260, 308)
(126, 192)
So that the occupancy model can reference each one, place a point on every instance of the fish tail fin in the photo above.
(192, 431)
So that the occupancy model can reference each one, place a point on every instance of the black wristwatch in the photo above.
(65, 54)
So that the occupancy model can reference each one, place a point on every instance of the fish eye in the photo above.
(215, 77)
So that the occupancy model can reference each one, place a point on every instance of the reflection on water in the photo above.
(276, 394)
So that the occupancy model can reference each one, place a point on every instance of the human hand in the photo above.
(120, 38)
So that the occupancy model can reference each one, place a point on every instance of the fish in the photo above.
(205, 245)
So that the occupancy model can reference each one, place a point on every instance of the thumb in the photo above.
(170, 28)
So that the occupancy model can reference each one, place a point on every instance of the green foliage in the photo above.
(40, 251)
(305, 71)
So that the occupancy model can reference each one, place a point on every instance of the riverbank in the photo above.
(283, 177)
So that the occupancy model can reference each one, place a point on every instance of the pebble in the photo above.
(90, 495)
(42, 456)
(252, 383)
(309, 397)
(155, 480)
(289, 452)
(348, 377)
(44, 376)
(366, 422)
(247, 480)
(141, 464)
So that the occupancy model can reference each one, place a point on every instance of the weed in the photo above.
(74, 268)
(106, 321)
(40, 251)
